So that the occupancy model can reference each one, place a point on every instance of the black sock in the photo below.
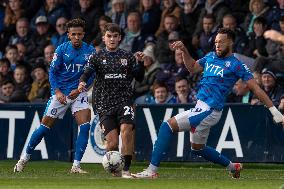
(127, 164)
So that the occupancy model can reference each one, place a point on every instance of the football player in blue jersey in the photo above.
(220, 72)
(66, 68)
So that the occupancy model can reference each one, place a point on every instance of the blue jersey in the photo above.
(219, 77)
(67, 66)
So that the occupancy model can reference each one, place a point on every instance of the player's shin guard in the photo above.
(82, 141)
(212, 155)
(36, 137)
(161, 144)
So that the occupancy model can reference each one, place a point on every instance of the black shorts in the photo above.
(117, 116)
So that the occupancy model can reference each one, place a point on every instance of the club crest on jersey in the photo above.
(227, 64)
(123, 62)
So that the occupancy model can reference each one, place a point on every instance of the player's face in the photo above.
(223, 45)
(76, 36)
(111, 40)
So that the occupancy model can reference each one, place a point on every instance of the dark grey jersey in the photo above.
(114, 73)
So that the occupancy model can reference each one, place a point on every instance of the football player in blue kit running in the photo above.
(66, 68)
(220, 72)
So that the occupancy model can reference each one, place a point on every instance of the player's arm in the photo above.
(88, 72)
(191, 65)
(138, 70)
(54, 69)
(254, 87)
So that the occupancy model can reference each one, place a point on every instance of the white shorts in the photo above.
(198, 121)
(57, 110)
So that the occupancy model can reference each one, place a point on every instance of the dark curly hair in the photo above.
(77, 22)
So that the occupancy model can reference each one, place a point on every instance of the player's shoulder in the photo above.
(63, 47)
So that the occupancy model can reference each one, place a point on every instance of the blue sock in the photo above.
(212, 155)
(161, 144)
(36, 137)
(82, 141)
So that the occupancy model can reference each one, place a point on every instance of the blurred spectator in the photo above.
(91, 14)
(188, 18)
(217, 8)
(257, 9)
(151, 68)
(134, 39)
(12, 55)
(162, 47)
(31, 7)
(61, 32)
(8, 93)
(21, 51)
(269, 84)
(48, 55)
(52, 9)
(40, 38)
(118, 13)
(5, 72)
(98, 42)
(273, 16)
(184, 94)
(151, 16)
(257, 41)
(2, 15)
(170, 8)
(23, 34)
(21, 80)
(203, 41)
(40, 91)
(240, 93)
(241, 41)
(173, 70)
(161, 94)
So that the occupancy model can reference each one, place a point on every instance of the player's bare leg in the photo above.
(83, 118)
(127, 147)
(46, 123)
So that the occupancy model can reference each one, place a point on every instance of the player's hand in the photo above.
(82, 87)
(277, 116)
(139, 56)
(73, 94)
(178, 45)
(60, 97)
(273, 35)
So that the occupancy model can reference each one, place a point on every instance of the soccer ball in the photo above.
(113, 161)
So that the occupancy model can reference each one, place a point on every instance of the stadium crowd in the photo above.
(31, 30)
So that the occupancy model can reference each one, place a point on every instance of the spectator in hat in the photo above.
(40, 91)
(151, 68)
(269, 84)
(40, 39)
(118, 13)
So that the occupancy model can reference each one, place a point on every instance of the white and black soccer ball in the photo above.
(113, 161)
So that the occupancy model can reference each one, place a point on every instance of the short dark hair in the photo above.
(260, 20)
(105, 18)
(158, 84)
(281, 19)
(112, 27)
(209, 16)
(230, 34)
(9, 47)
(179, 78)
(77, 22)
(6, 81)
(5, 61)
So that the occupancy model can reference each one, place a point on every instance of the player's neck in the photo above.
(112, 50)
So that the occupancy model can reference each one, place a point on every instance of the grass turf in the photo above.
(54, 174)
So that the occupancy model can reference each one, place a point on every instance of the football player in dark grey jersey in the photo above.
(115, 70)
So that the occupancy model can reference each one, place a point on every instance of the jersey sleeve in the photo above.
(89, 69)
(203, 60)
(54, 68)
(242, 71)
(137, 69)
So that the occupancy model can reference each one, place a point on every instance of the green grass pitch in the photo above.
(54, 174)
